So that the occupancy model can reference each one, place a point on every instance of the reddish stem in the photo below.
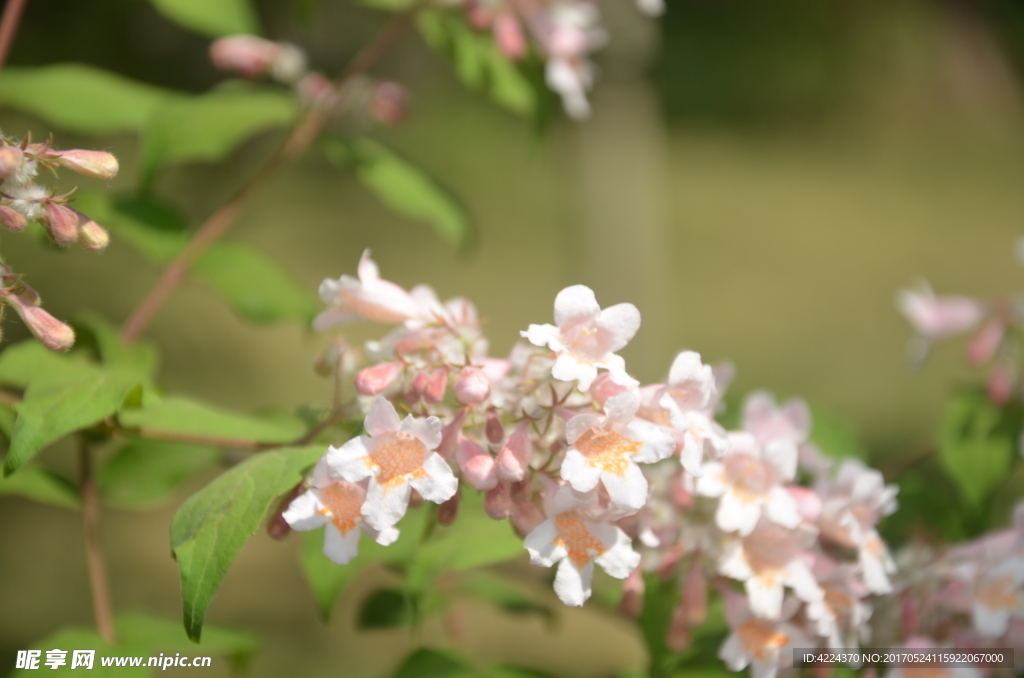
(9, 26)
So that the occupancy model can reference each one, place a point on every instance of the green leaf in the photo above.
(835, 437)
(930, 505)
(140, 357)
(174, 417)
(255, 286)
(328, 579)
(478, 61)
(978, 443)
(212, 18)
(29, 361)
(403, 187)
(210, 126)
(660, 600)
(80, 98)
(213, 524)
(166, 634)
(385, 608)
(41, 485)
(52, 409)
(145, 471)
(495, 590)
(152, 227)
(426, 663)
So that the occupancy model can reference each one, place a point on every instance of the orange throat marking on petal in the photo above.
(342, 505)
(761, 639)
(398, 457)
(997, 594)
(607, 450)
(575, 538)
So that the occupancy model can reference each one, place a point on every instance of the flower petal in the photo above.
(428, 430)
(541, 335)
(542, 544)
(621, 323)
(350, 460)
(570, 368)
(578, 472)
(572, 585)
(765, 595)
(303, 513)
(574, 304)
(657, 442)
(733, 654)
(628, 491)
(621, 408)
(385, 507)
(341, 548)
(384, 537)
(735, 514)
(619, 560)
(382, 418)
(440, 484)
(580, 424)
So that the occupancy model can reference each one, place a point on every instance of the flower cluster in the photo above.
(594, 469)
(24, 200)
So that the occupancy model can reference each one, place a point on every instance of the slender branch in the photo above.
(9, 26)
(297, 142)
(93, 550)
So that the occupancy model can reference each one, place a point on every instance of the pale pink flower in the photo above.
(369, 297)
(608, 449)
(690, 397)
(587, 338)
(748, 480)
(998, 597)
(397, 457)
(768, 559)
(574, 535)
(939, 317)
(842, 614)
(759, 643)
(335, 505)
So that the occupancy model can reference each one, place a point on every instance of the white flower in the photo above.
(768, 559)
(748, 481)
(369, 297)
(937, 318)
(690, 397)
(573, 535)
(335, 505)
(758, 643)
(397, 456)
(841, 615)
(586, 338)
(998, 597)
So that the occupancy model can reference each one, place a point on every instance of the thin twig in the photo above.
(9, 26)
(94, 551)
(297, 142)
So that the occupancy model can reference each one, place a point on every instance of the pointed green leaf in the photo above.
(140, 357)
(212, 18)
(80, 98)
(835, 437)
(426, 663)
(29, 361)
(403, 187)
(174, 417)
(385, 608)
(145, 471)
(144, 630)
(213, 524)
(41, 485)
(978, 443)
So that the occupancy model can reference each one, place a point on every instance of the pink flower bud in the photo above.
(808, 503)
(436, 385)
(493, 428)
(374, 380)
(508, 34)
(477, 465)
(92, 236)
(12, 219)
(514, 458)
(633, 588)
(695, 595)
(450, 436)
(604, 388)
(983, 345)
(390, 103)
(667, 566)
(479, 15)
(315, 89)
(245, 54)
(908, 615)
(472, 386)
(52, 333)
(939, 317)
(448, 511)
(11, 159)
(61, 223)
(678, 636)
(525, 517)
(1000, 382)
(95, 164)
(498, 503)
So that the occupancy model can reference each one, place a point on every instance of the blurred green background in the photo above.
(758, 178)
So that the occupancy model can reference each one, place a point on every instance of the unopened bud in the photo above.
(493, 428)
(497, 503)
(92, 236)
(390, 103)
(1000, 382)
(476, 465)
(678, 636)
(375, 380)
(95, 164)
(247, 55)
(11, 159)
(633, 588)
(277, 527)
(289, 65)
(514, 458)
(450, 436)
(695, 595)
(52, 333)
(983, 345)
(669, 562)
(525, 517)
(472, 386)
(508, 35)
(12, 219)
(418, 386)
(604, 388)
(436, 385)
(448, 511)
(315, 89)
(479, 15)
(61, 223)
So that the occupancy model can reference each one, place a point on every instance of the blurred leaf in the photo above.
(426, 663)
(472, 541)
(144, 471)
(516, 672)
(29, 361)
(478, 61)
(52, 409)
(7, 419)
(328, 579)
(978, 443)
(212, 18)
(255, 286)
(660, 600)
(403, 187)
(385, 608)
(210, 126)
(41, 485)
(80, 98)
(181, 416)
(835, 437)
(140, 357)
(495, 590)
(213, 524)
(930, 507)
(389, 5)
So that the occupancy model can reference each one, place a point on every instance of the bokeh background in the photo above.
(758, 178)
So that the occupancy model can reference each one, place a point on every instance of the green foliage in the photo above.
(29, 361)
(176, 417)
(41, 485)
(426, 663)
(211, 527)
(497, 591)
(930, 506)
(835, 437)
(140, 357)
(210, 126)
(143, 636)
(145, 471)
(660, 600)
(80, 98)
(478, 61)
(403, 187)
(386, 608)
(212, 18)
(978, 443)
